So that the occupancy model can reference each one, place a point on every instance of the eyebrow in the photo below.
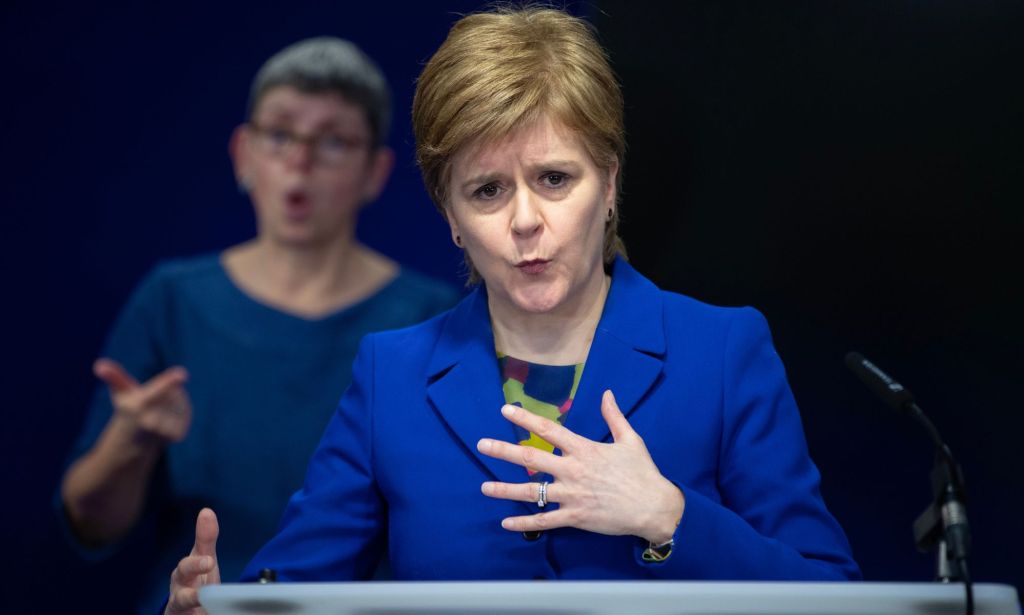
(283, 113)
(486, 178)
(480, 180)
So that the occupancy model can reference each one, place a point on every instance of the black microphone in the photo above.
(947, 516)
(890, 391)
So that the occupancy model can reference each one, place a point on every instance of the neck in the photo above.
(559, 337)
(317, 268)
(308, 281)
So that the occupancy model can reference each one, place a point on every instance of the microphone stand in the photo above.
(943, 525)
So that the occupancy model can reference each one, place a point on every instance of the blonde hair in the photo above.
(501, 70)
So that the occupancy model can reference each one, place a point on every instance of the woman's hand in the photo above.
(612, 489)
(104, 490)
(158, 408)
(198, 569)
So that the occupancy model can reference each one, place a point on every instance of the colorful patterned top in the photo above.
(545, 390)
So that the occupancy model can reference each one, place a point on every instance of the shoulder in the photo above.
(408, 350)
(639, 298)
(170, 278)
(407, 299)
(415, 286)
(680, 309)
(182, 272)
(412, 341)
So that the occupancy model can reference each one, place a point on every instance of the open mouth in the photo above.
(298, 204)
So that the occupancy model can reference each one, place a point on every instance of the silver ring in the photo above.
(542, 495)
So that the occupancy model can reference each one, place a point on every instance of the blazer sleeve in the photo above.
(769, 521)
(332, 527)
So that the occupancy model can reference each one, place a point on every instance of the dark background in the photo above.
(853, 169)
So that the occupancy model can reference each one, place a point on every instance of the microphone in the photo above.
(944, 522)
(890, 391)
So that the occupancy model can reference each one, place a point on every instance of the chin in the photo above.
(299, 238)
(538, 300)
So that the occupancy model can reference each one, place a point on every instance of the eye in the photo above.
(277, 136)
(334, 143)
(487, 191)
(554, 179)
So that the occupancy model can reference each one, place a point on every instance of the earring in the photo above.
(610, 213)
(458, 240)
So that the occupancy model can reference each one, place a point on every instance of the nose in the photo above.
(526, 216)
(300, 154)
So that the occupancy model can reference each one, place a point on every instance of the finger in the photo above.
(527, 456)
(165, 382)
(617, 422)
(547, 429)
(177, 401)
(190, 568)
(184, 598)
(114, 375)
(521, 492)
(207, 530)
(539, 522)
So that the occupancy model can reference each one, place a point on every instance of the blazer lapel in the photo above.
(626, 356)
(627, 353)
(465, 384)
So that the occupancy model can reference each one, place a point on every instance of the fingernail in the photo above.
(508, 410)
(483, 445)
(487, 488)
(506, 523)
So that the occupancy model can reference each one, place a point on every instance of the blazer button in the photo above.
(531, 536)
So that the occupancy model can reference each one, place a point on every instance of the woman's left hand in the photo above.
(608, 488)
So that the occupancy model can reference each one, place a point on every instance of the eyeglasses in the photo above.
(328, 149)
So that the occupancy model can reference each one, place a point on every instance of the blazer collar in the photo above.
(627, 353)
(626, 356)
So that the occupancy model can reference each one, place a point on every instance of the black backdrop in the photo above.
(853, 169)
(850, 168)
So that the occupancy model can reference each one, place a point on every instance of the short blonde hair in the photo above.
(501, 70)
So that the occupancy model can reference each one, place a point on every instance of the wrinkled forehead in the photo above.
(541, 139)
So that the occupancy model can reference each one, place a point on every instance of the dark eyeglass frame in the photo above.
(317, 144)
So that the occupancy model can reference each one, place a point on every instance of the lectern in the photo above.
(604, 598)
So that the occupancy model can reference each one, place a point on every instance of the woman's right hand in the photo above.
(159, 407)
(197, 569)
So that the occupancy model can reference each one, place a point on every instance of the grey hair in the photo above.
(329, 65)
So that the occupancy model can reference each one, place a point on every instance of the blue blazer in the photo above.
(702, 385)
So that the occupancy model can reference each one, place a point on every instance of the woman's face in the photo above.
(531, 211)
(308, 163)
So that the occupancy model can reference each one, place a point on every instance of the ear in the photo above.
(238, 149)
(382, 161)
(453, 226)
(611, 182)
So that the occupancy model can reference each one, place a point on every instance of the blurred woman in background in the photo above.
(222, 370)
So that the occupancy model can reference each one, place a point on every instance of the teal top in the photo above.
(263, 386)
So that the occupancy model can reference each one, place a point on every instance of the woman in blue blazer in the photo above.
(568, 419)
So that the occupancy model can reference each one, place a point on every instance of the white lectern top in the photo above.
(603, 598)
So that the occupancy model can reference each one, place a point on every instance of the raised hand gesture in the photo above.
(609, 488)
(159, 407)
(197, 569)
